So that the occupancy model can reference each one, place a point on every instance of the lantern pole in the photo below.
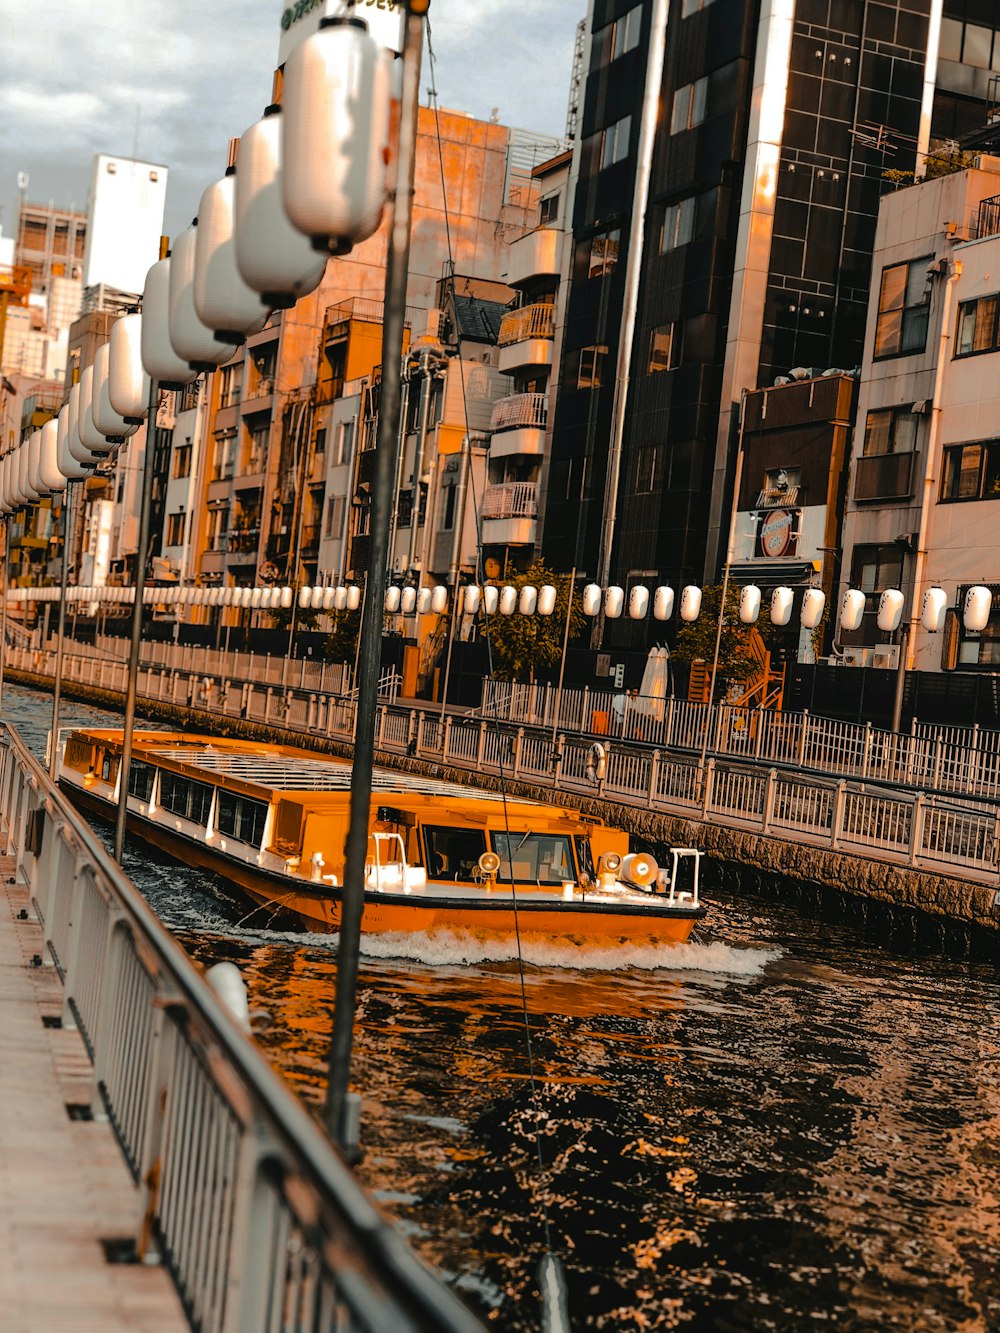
(61, 632)
(132, 676)
(343, 1107)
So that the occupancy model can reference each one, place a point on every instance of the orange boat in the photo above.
(273, 820)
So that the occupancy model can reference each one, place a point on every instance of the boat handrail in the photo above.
(271, 1160)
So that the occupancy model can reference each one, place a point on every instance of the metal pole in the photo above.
(341, 1108)
(132, 678)
(61, 629)
(449, 645)
(562, 663)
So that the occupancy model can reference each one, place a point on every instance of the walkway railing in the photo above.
(260, 1222)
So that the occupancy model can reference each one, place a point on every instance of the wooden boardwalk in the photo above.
(64, 1186)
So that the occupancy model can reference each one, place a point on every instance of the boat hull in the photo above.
(494, 915)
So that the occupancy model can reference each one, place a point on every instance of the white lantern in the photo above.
(690, 603)
(79, 462)
(329, 598)
(392, 598)
(638, 603)
(852, 609)
(24, 474)
(471, 599)
(316, 597)
(6, 506)
(408, 601)
(222, 300)
(663, 603)
(109, 422)
(90, 437)
(305, 598)
(977, 608)
(749, 604)
(934, 609)
(592, 599)
(216, 596)
(128, 383)
(527, 601)
(781, 606)
(439, 599)
(546, 599)
(813, 606)
(160, 360)
(255, 598)
(287, 597)
(508, 600)
(335, 136)
(273, 257)
(353, 597)
(614, 602)
(340, 598)
(246, 597)
(34, 450)
(191, 340)
(890, 609)
(491, 599)
(423, 601)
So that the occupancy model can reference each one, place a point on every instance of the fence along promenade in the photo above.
(259, 1221)
(929, 802)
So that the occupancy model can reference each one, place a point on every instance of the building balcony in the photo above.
(519, 410)
(528, 442)
(884, 477)
(509, 531)
(310, 539)
(526, 338)
(511, 499)
(243, 542)
(534, 256)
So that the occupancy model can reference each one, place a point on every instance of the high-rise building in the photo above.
(726, 188)
(126, 204)
(51, 243)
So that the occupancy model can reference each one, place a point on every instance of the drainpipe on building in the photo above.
(908, 640)
(640, 196)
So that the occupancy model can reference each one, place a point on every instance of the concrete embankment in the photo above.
(892, 900)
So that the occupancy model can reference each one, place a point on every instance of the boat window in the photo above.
(190, 800)
(453, 853)
(241, 818)
(539, 858)
(140, 780)
(585, 858)
(109, 767)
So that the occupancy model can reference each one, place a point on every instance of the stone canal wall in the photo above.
(945, 910)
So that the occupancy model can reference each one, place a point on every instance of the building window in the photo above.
(175, 529)
(977, 326)
(664, 346)
(589, 367)
(223, 457)
(256, 450)
(603, 253)
(972, 471)
(678, 225)
(548, 210)
(982, 649)
(690, 104)
(650, 468)
(217, 528)
(694, 6)
(890, 430)
(334, 516)
(903, 307)
(969, 44)
(625, 35)
(615, 142)
(230, 378)
(182, 460)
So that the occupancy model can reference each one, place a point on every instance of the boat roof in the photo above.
(262, 768)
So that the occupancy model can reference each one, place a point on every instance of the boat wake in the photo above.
(451, 948)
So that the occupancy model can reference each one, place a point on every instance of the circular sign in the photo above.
(776, 532)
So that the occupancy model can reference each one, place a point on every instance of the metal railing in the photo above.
(511, 499)
(238, 1193)
(519, 409)
(530, 321)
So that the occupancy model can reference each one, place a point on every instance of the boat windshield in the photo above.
(453, 853)
(538, 858)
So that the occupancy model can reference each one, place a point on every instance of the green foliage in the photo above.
(523, 645)
(697, 640)
(341, 644)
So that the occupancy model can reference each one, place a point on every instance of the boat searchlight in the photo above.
(489, 867)
(608, 866)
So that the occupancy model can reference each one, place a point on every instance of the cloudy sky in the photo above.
(176, 79)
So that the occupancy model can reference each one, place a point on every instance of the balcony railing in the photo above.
(520, 409)
(244, 541)
(262, 389)
(531, 321)
(511, 499)
(988, 222)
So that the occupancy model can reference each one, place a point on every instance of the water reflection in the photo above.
(784, 1127)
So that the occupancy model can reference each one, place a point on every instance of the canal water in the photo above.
(784, 1126)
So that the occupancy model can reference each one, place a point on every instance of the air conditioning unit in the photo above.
(886, 655)
(858, 657)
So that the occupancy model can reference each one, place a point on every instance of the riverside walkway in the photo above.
(66, 1198)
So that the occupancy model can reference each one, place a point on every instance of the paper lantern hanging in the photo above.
(67, 463)
(663, 603)
(336, 96)
(976, 609)
(392, 598)
(408, 601)
(222, 300)
(471, 599)
(272, 256)
(110, 423)
(423, 601)
(690, 603)
(190, 339)
(91, 438)
(546, 599)
(527, 601)
(813, 606)
(28, 491)
(159, 359)
(128, 383)
(852, 609)
(508, 600)
(491, 599)
(439, 599)
(638, 603)
(782, 600)
(592, 599)
(890, 610)
(749, 604)
(934, 609)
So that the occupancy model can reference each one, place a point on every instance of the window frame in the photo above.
(886, 311)
(655, 365)
(972, 308)
(692, 98)
(950, 474)
(616, 143)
